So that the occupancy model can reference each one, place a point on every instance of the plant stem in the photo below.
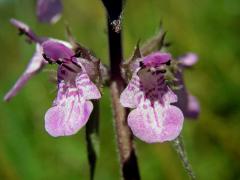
(179, 147)
(92, 132)
(128, 160)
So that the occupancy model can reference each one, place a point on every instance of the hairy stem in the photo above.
(128, 160)
(179, 147)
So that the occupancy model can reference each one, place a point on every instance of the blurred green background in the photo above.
(209, 28)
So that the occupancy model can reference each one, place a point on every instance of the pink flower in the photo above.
(153, 118)
(49, 11)
(187, 103)
(36, 63)
(189, 59)
(71, 108)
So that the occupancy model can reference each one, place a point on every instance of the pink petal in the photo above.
(169, 96)
(189, 59)
(186, 102)
(56, 50)
(61, 94)
(67, 119)
(35, 64)
(24, 28)
(193, 107)
(173, 123)
(88, 90)
(132, 95)
(20, 25)
(156, 124)
(49, 11)
(156, 59)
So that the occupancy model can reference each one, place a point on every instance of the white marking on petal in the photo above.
(88, 89)
(68, 117)
(156, 123)
(132, 94)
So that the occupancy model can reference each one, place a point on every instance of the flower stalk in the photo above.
(92, 138)
(179, 148)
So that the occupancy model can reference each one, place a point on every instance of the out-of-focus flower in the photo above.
(35, 64)
(153, 118)
(186, 102)
(188, 60)
(71, 108)
(49, 11)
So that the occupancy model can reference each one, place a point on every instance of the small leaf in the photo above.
(137, 52)
(135, 55)
(127, 66)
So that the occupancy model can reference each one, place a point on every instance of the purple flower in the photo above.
(49, 11)
(71, 108)
(188, 60)
(153, 118)
(187, 103)
(35, 64)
